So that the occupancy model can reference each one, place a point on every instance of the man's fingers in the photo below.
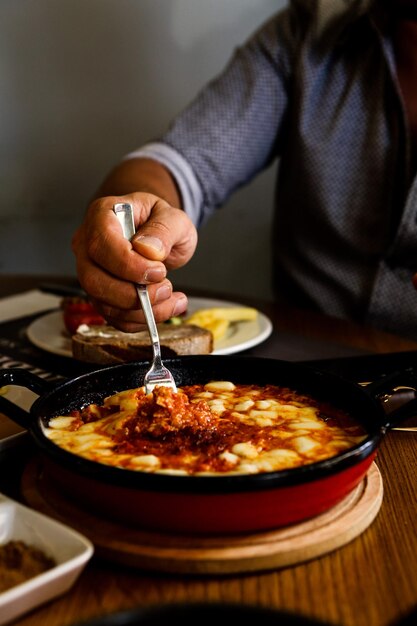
(108, 265)
(165, 238)
(134, 320)
(106, 246)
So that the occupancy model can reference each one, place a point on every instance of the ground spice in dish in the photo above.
(20, 562)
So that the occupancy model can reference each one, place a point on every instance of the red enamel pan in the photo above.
(212, 504)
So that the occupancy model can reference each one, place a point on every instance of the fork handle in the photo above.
(150, 320)
(124, 214)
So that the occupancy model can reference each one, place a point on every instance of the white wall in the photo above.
(82, 82)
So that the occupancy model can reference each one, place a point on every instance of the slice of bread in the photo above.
(106, 345)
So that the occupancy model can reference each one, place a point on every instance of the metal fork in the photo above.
(158, 374)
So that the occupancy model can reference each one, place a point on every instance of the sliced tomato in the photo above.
(77, 311)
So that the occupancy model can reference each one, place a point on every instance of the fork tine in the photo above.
(159, 377)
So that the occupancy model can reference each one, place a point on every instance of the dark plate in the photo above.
(202, 613)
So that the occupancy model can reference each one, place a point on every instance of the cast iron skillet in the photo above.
(212, 504)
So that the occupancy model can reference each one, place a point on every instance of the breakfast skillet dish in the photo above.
(216, 428)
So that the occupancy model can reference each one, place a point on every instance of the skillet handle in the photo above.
(20, 378)
(388, 391)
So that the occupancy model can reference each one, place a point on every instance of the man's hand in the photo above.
(108, 264)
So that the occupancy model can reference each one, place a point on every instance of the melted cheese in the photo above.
(218, 428)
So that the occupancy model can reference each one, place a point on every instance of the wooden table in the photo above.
(368, 582)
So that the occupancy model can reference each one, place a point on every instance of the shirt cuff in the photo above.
(188, 185)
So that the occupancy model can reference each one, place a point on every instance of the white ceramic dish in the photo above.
(48, 331)
(11, 434)
(68, 548)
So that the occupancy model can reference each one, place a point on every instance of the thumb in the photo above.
(168, 235)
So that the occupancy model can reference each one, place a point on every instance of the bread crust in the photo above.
(105, 345)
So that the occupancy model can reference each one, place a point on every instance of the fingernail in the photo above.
(163, 293)
(154, 275)
(151, 242)
(180, 306)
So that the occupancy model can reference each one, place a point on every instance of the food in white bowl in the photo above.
(66, 553)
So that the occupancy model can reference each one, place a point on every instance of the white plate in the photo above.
(48, 331)
(68, 548)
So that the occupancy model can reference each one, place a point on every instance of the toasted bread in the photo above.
(106, 345)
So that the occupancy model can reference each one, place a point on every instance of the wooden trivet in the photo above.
(216, 554)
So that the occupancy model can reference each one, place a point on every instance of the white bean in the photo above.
(304, 444)
(245, 450)
(147, 461)
(220, 385)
